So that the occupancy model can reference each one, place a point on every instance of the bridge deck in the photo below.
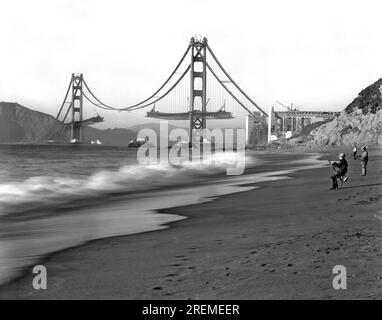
(299, 113)
(91, 121)
(186, 115)
(87, 122)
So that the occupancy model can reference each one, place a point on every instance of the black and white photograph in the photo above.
(190, 154)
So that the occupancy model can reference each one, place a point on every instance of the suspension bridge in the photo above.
(182, 96)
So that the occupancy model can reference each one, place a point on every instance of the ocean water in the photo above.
(56, 197)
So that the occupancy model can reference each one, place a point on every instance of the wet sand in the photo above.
(278, 241)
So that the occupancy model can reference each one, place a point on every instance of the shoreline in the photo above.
(235, 184)
(17, 288)
(121, 208)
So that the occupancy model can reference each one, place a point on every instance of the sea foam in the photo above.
(52, 192)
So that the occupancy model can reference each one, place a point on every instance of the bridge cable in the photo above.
(99, 101)
(67, 112)
(168, 91)
(153, 95)
(93, 103)
(66, 96)
(70, 105)
(140, 106)
(164, 95)
(236, 85)
(234, 97)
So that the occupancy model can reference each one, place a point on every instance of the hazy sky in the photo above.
(317, 54)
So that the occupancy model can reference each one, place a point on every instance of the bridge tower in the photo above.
(77, 108)
(198, 86)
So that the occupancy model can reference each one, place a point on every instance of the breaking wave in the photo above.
(44, 192)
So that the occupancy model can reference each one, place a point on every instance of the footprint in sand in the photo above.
(183, 258)
(157, 288)
(193, 249)
(171, 275)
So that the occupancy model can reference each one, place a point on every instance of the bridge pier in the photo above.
(197, 121)
(77, 108)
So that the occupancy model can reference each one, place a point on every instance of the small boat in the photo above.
(96, 142)
(136, 143)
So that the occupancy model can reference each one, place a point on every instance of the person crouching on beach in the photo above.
(364, 160)
(355, 152)
(341, 168)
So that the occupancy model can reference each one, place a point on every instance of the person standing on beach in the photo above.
(341, 168)
(364, 160)
(355, 152)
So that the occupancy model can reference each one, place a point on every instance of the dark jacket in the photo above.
(341, 167)
(365, 156)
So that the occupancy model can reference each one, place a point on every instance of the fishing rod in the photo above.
(322, 151)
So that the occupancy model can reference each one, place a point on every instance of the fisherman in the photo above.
(364, 160)
(341, 168)
(355, 152)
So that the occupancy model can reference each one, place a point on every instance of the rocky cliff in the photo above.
(353, 128)
(368, 101)
(359, 124)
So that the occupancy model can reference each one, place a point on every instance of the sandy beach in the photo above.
(279, 241)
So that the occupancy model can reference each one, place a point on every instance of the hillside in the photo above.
(368, 101)
(360, 123)
(19, 124)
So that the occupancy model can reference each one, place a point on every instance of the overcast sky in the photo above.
(316, 54)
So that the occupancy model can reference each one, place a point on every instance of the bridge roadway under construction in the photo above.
(196, 112)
